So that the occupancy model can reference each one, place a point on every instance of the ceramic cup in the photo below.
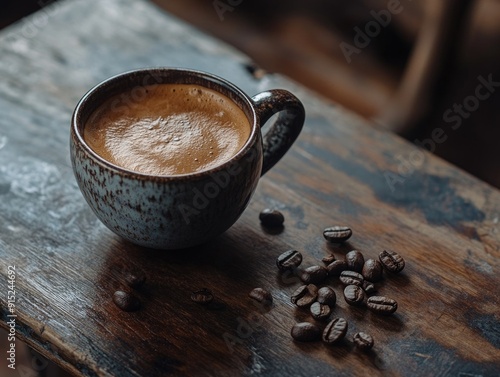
(173, 212)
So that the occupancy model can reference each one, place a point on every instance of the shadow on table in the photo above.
(154, 338)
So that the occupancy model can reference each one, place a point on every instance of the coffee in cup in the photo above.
(170, 129)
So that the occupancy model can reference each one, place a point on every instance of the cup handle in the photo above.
(287, 127)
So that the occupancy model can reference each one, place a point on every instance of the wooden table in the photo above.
(341, 171)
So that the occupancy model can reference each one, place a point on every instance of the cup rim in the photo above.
(87, 99)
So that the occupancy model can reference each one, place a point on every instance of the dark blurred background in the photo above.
(415, 67)
(410, 67)
(425, 60)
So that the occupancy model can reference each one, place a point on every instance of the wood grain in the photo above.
(443, 221)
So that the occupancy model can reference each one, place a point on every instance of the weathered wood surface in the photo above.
(443, 221)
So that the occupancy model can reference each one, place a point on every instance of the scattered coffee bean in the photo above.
(354, 260)
(289, 260)
(363, 341)
(336, 267)
(354, 272)
(354, 295)
(328, 259)
(392, 261)
(369, 287)
(382, 305)
(327, 296)
(126, 301)
(314, 274)
(261, 295)
(305, 295)
(271, 218)
(203, 296)
(351, 278)
(135, 280)
(319, 311)
(372, 270)
(337, 234)
(335, 331)
(305, 332)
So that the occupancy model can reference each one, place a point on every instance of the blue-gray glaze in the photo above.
(173, 212)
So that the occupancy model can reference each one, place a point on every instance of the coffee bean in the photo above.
(382, 305)
(126, 301)
(363, 341)
(203, 296)
(369, 287)
(336, 267)
(337, 234)
(351, 278)
(354, 295)
(305, 332)
(135, 280)
(392, 261)
(319, 311)
(261, 295)
(271, 218)
(372, 270)
(327, 296)
(328, 259)
(354, 260)
(314, 274)
(335, 331)
(289, 260)
(305, 295)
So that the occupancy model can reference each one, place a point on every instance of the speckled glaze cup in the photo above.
(174, 212)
